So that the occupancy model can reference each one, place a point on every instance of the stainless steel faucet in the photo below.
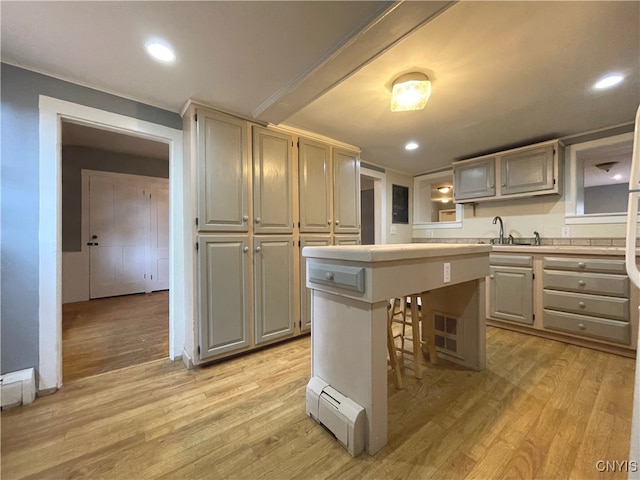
(537, 238)
(501, 235)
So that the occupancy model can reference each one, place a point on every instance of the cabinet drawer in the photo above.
(596, 305)
(588, 326)
(513, 260)
(597, 265)
(596, 283)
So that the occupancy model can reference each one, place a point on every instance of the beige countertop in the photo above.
(391, 252)
(560, 249)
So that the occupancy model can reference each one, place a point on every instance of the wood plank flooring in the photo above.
(542, 409)
(110, 333)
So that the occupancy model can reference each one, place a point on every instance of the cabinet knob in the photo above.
(258, 220)
(329, 275)
(581, 304)
(245, 217)
(492, 276)
(581, 326)
(329, 222)
(582, 283)
(337, 222)
(581, 265)
(258, 249)
(245, 249)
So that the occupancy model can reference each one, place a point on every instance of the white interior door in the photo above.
(118, 236)
(159, 232)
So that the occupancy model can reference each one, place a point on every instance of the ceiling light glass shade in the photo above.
(410, 92)
(411, 146)
(444, 189)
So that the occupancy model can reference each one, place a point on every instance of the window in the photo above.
(598, 180)
(433, 205)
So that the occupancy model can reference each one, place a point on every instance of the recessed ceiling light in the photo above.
(617, 177)
(161, 52)
(608, 81)
(411, 146)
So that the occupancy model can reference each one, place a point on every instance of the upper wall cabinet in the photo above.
(315, 186)
(346, 191)
(521, 172)
(272, 182)
(222, 172)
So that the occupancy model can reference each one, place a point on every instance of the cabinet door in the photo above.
(511, 294)
(273, 286)
(346, 191)
(224, 285)
(305, 293)
(527, 171)
(272, 188)
(315, 186)
(222, 173)
(474, 179)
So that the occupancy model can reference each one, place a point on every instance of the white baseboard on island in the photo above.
(18, 388)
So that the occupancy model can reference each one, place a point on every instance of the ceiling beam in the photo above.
(393, 24)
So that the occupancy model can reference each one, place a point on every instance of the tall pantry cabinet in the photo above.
(262, 194)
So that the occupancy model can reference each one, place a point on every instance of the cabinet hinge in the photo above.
(197, 246)
(195, 117)
(145, 275)
(196, 221)
(298, 144)
(300, 324)
(534, 316)
(298, 224)
(151, 277)
(533, 276)
(554, 181)
(198, 349)
(299, 243)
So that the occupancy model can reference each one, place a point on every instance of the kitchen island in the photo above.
(350, 289)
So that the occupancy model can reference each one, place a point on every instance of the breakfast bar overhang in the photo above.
(350, 289)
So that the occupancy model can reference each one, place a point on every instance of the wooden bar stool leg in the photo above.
(428, 329)
(415, 334)
(391, 346)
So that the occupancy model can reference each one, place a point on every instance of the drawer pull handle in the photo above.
(581, 304)
(329, 275)
(581, 264)
(582, 283)
(581, 326)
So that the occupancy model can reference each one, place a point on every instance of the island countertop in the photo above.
(393, 252)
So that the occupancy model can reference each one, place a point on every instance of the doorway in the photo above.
(181, 278)
(373, 211)
(120, 249)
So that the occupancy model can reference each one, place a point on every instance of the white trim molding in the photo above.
(181, 307)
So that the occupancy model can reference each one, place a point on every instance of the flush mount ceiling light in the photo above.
(606, 166)
(161, 52)
(444, 189)
(410, 92)
(411, 146)
(608, 81)
(617, 177)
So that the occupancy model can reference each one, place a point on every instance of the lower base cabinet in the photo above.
(227, 267)
(511, 288)
(273, 287)
(224, 278)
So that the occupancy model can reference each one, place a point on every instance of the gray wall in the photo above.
(367, 220)
(606, 198)
(19, 198)
(76, 158)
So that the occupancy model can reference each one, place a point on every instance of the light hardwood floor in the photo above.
(110, 333)
(542, 409)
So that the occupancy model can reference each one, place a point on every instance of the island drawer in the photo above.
(597, 265)
(611, 330)
(596, 283)
(596, 305)
(511, 260)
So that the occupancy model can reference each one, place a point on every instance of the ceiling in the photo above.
(504, 74)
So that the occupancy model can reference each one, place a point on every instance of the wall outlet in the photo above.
(393, 230)
(566, 232)
(447, 272)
